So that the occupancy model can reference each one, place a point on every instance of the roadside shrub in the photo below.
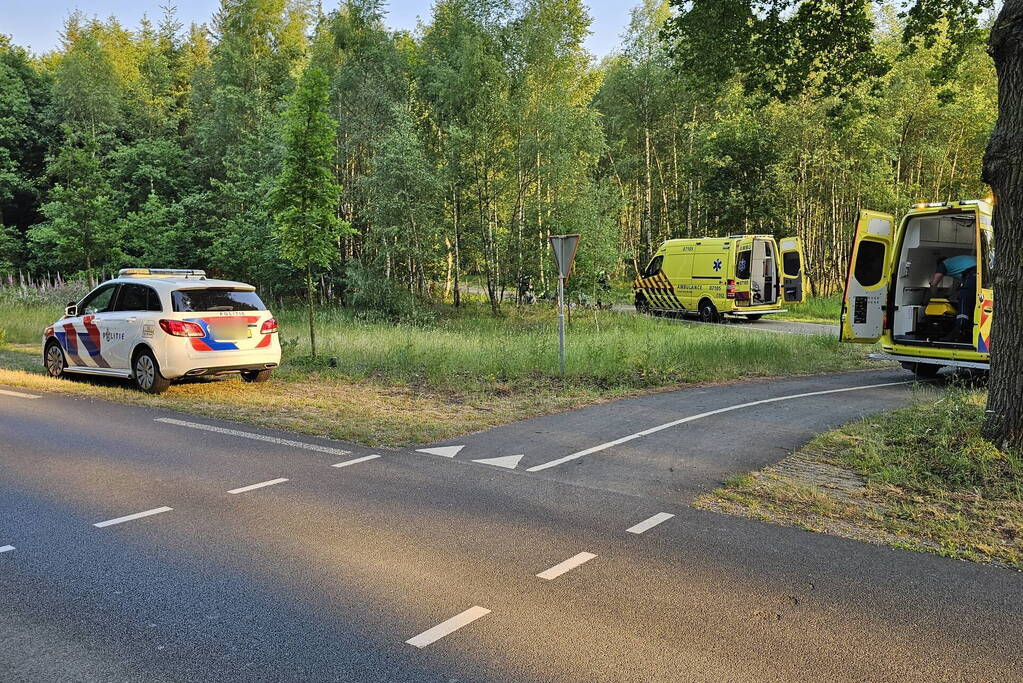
(376, 299)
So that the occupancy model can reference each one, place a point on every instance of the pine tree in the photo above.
(306, 197)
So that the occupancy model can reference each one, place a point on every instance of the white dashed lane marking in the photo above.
(648, 524)
(693, 418)
(16, 394)
(128, 518)
(356, 461)
(253, 487)
(6, 548)
(255, 437)
(447, 627)
(566, 566)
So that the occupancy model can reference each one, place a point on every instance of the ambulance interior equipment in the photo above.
(763, 273)
(928, 241)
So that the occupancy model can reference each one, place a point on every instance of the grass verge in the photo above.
(455, 371)
(817, 309)
(921, 478)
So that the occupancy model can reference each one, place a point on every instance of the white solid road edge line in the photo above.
(650, 523)
(253, 487)
(254, 436)
(128, 518)
(16, 394)
(700, 416)
(6, 548)
(444, 628)
(356, 461)
(568, 565)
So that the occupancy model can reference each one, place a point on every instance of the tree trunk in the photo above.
(1003, 170)
(309, 301)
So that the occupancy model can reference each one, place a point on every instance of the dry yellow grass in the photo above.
(364, 411)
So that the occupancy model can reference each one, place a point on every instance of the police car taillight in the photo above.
(269, 326)
(181, 328)
(731, 289)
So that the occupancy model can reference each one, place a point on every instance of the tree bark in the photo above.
(1003, 170)
(309, 301)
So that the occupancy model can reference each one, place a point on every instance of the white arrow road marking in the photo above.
(444, 451)
(6, 548)
(693, 418)
(252, 487)
(648, 524)
(568, 565)
(128, 518)
(507, 461)
(17, 394)
(255, 437)
(446, 627)
(346, 463)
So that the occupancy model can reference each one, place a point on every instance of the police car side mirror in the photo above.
(71, 310)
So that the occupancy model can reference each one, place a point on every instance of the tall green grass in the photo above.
(816, 308)
(604, 349)
(464, 348)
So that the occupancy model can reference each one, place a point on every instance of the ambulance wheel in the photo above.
(642, 305)
(256, 375)
(53, 359)
(146, 373)
(708, 314)
(923, 370)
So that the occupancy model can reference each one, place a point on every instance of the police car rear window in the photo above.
(215, 299)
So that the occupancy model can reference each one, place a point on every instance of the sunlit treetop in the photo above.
(785, 48)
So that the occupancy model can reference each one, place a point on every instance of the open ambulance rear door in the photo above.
(793, 287)
(864, 307)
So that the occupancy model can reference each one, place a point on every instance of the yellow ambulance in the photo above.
(889, 294)
(744, 276)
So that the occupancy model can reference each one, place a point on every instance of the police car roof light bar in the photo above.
(185, 272)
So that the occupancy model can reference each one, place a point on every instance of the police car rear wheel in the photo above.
(147, 374)
(54, 359)
(708, 313)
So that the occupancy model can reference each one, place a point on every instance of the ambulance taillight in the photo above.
(731, 290)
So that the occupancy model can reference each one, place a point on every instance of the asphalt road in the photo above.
(325, 573)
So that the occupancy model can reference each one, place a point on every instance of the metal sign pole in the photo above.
(564, 247)
(561, 322)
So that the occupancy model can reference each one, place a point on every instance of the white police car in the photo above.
(157, 325)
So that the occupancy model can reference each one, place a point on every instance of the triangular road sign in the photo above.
(444, 451)
(506, 461)
(564, 247)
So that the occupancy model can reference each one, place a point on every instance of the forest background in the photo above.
(459, 148)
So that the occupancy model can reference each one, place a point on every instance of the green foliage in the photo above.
(80, 230)
(786, 48)
(305, 197)
(461, 148)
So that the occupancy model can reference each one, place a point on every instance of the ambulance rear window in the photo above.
(742, 265)
(215, 299)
